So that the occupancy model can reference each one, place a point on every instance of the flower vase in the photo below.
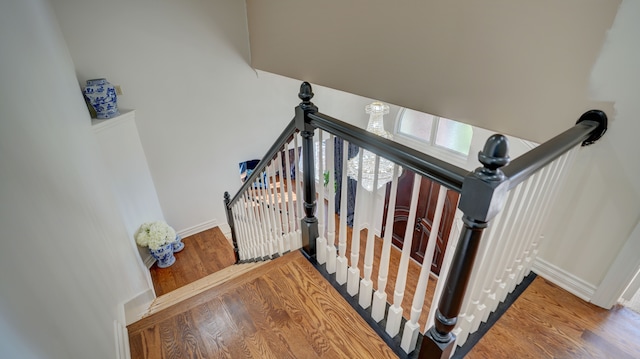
(164, 255)
(177, 244)
(101, 95)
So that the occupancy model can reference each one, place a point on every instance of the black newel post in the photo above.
(227, 201)
(308, 224)
(484, 192)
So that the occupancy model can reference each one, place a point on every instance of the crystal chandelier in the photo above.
(376, 111)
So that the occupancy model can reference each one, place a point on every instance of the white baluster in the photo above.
(553, 180)
(321, 242)
(341, 262)
(380, 296)
(264, 213)
(411, 327)
(515, 243)
(452, 243)
(239, 229)
(506, 241)
(299, 193)
(526, 236)
(282, 205)
(394, 317)
(565, 164)
(366, 285)
(354, 272)
(259, 230)
(291, 212)
(254, 227)
(274, 206)
(331, 222)
(472, 305)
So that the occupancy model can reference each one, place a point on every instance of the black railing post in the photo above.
(227, 207)
(308, 224)
(483, 195)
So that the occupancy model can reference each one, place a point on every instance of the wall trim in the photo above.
(122, 341)
(149, 261)
(565, 280)
(198, 228)
(138, 306)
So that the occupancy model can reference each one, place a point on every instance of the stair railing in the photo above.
(524, 187)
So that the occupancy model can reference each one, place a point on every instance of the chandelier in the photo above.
(376, 111)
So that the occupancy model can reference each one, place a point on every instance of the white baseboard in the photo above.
(138, 306)
(226, 230)
(122, 341)
(198, 228)
(149, 261)
(565, 280)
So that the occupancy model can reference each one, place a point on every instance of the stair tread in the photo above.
(201, 285)
(184, 298)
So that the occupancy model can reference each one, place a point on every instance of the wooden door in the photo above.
(427, 200)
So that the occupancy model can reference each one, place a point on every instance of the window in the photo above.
(435, 131)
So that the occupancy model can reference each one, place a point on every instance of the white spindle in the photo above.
(366, 285)
(506, 242)
(264, 211)
(239, 229)
(544, 210)
(321, 242)
(526, 236)
(394, 317)
(411, 327)
(257, 229)
(243, 245)
(380, 296)
(276, 214)
(290, 208)
(354, 272)
(515, 243)
(299, 194)
(331, 223)
(282, 205)
(452, 243)
(341, 261)
(473, 304)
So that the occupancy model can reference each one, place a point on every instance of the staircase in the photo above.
(502, 207)
(287, 308)
(282, 308)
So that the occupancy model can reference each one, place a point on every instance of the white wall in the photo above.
(600, 206)
(66, 263)
(200, 108)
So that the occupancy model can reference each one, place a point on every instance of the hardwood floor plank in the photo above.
(261, 317)
(203, 254)
(548, 322)
(208, 294)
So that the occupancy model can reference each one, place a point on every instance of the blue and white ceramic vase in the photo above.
(101, 95)
(177, 244)
(163, 255)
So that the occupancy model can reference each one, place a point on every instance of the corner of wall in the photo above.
(137, 307)
(564, 279)
(199, 228)
(123, 350)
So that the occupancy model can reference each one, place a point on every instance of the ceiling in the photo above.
(517, 67)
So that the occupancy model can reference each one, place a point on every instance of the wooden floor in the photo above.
(545, 322)
(203, 254)
(548, 322)
(284, 309)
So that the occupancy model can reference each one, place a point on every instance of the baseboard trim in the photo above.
(226, 230)
(122, 341)
(137, 307)
(197, 228)
(565, 280)
(149, 261)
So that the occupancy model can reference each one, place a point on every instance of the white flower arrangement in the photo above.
(155, 235)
